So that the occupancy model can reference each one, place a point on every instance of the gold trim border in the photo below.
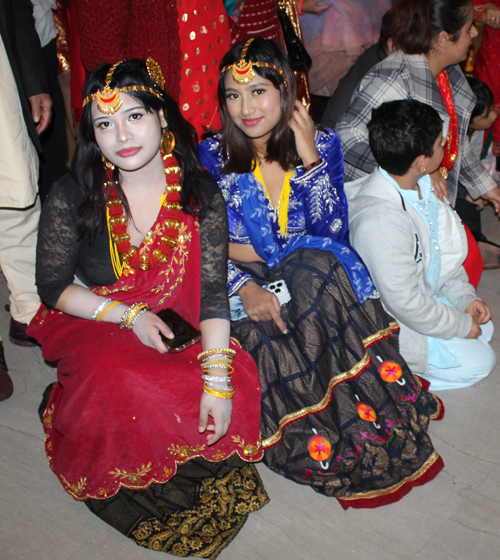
(353, 372)
(153, 480)
(377, 493)
(314, 409)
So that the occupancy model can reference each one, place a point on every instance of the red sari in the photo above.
(122, 415)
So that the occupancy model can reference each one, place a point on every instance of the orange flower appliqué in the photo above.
(320, 448)
(390, 371)
(366, 412)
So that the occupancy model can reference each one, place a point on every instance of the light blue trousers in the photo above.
(476, 356)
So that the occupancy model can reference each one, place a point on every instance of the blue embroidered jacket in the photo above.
(317, 213)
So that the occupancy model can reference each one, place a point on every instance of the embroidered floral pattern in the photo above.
(75, 489)
(248, 450)
(184, 451)
(135, 478)
(207, 529)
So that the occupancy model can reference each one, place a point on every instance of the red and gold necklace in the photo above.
(117, 222)
(451, 146)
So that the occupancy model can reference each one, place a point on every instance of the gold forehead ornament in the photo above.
(108, 99)
(243, 70)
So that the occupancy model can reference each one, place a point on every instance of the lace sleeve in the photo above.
(57, 247)
(214, 255)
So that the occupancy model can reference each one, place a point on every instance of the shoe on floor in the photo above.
(17, 334)
(6, 385)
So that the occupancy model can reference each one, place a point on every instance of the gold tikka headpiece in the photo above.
(243, 70)
(108, 100)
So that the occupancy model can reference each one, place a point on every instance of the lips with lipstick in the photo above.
(128, 152)
(251, 122)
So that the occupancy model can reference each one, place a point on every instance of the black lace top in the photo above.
(61, 255)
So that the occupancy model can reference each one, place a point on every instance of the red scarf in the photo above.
(451, 146)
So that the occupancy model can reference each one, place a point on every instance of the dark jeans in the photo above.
(54, 141)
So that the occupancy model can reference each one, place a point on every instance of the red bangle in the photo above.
(313, 165)
(299, 7)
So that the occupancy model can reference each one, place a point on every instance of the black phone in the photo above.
(185, 335)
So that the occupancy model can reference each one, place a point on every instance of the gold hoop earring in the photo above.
(107, 163)
(167, 142)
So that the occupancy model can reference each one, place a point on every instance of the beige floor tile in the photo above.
(455, 517)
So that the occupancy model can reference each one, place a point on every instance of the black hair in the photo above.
(416, 23)
(87, 167)
(400, 131)
(484, 97)
(385, 29)
(238, 149)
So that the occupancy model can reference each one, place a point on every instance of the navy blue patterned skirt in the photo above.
(341, 411)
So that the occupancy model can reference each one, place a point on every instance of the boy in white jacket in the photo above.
(414, 246)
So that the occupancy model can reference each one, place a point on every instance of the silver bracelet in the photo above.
(124, 316)
(215, 366)
(228, 387)
(216, 379)
(217, 357)
(100, 308)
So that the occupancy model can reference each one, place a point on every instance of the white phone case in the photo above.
(280, 290)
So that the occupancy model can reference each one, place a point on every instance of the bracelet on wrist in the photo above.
(218, 394)
(228, 387)
(226, 352)
(136, 316)
(208, 369)
(216, 379)
(130, 314)
(299, 7)
(107, 309)
(100, 308)
(313, 165)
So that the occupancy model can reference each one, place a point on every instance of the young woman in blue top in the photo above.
(333, 415)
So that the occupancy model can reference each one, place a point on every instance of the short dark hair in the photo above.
(416, 23)
(87, 167)
(385, 29)
(400, 131)
(484, 97)
(237, 148)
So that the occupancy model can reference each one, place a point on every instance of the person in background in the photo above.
(188, 39)
(336, 33)
(487, 59)
(25, 112)
(414, 246)
(431, 38)
(482, 118)
(341, 98)
(54, 141)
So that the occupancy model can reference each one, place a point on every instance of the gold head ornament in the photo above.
(243, 70)
(108, 99)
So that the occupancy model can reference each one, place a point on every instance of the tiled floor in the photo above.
(455, 517)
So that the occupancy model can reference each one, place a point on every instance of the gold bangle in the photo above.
(229, 370)
(217, 363)
(225, 351)
(130, 313)
(218, 394)
(106, 310)
(138, 307)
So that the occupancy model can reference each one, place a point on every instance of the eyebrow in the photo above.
(249, 86)
(125, 111)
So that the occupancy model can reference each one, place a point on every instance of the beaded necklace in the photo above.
(117, 224)
(451, 146)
